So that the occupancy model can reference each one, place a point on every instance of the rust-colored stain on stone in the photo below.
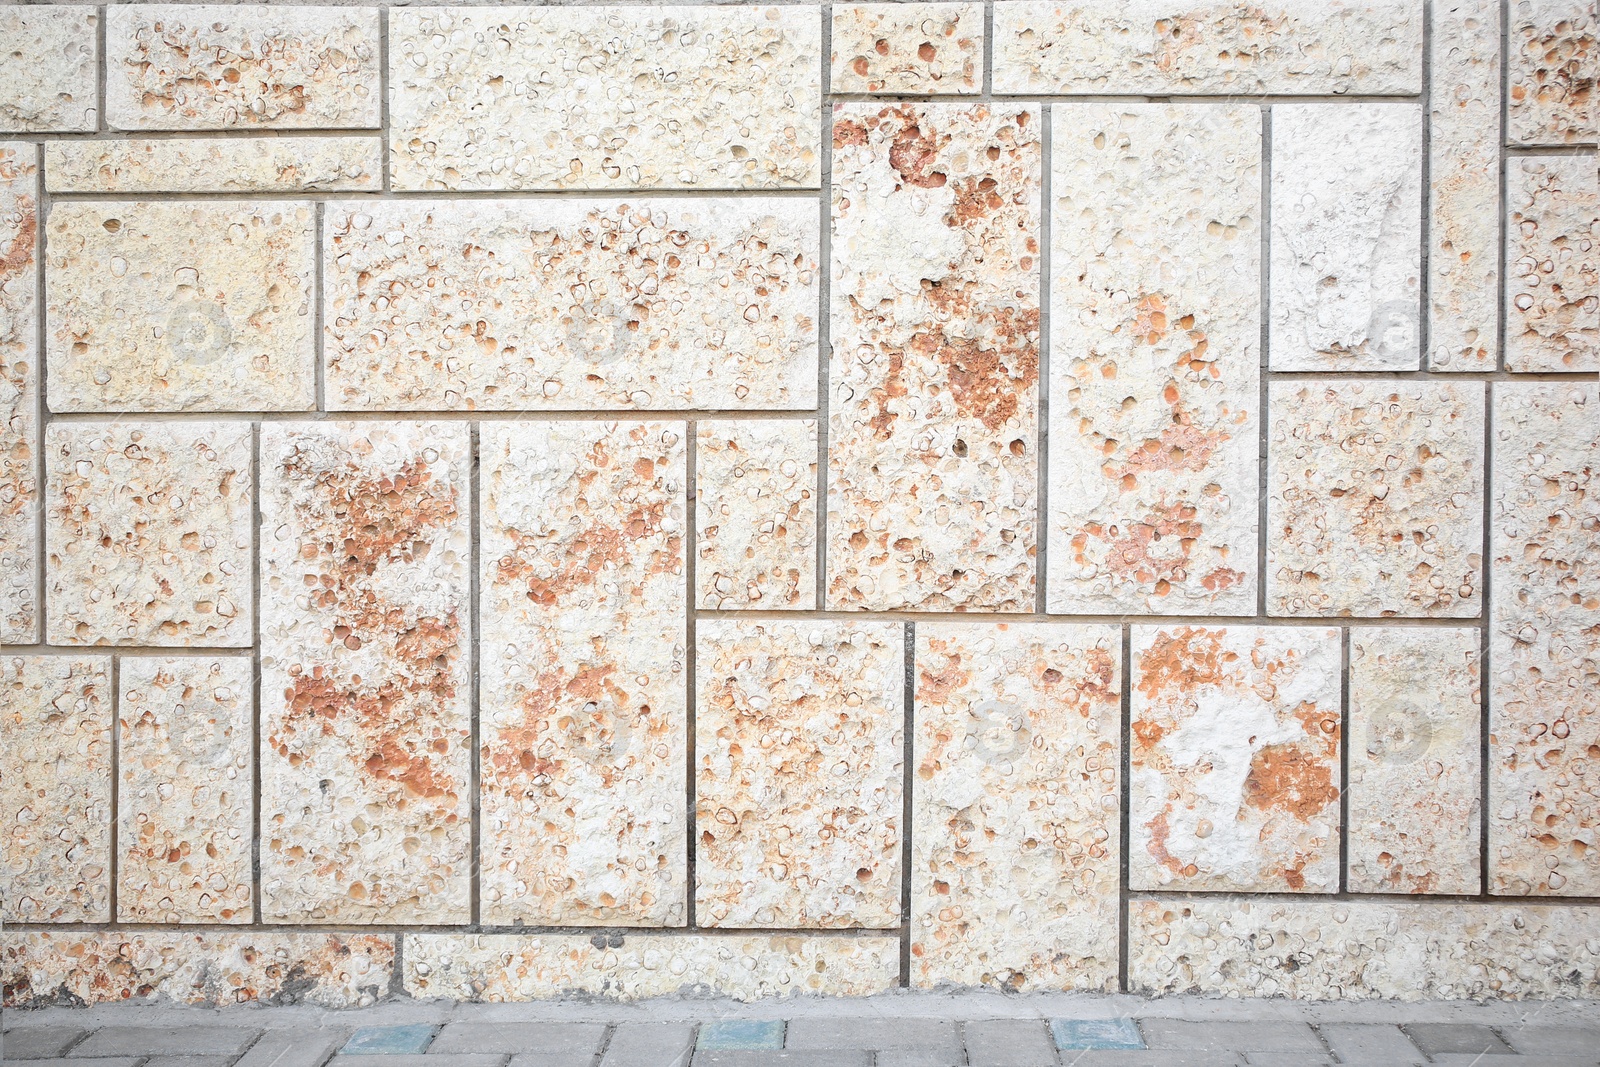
(1550, 72)
(19, 392)
(1552, 264)
(756, 514)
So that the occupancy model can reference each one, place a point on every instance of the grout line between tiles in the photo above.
(475, 669)
(1042, 521)
(1125, 815)
(907, 808)
(256, 814)
(691, 663)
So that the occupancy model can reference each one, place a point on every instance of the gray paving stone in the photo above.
(1009, 1043)
(919, 1057)
(1149, 1058)
(1371, 1044)
(786, 1058)
(1230, 1036)
(1436, 1039)
(292, 1048)
(1545, 1040)
(188, 1061)
(544, 1038)
(1287, 1059)
(650, 1045)
(101, 1061)
(37, 1042)
(1504, 1059)
(554, 1059)
(873, 1033)
(167, 1040)
(420, 1059)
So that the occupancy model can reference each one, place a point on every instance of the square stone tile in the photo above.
(1550, 62)
(720, 1034)
(910, 48)
(1552, 264)
(756, 514)
(52, 54)
(1096, 1034)
(214, 165)
(389, 1040)
(19, 384)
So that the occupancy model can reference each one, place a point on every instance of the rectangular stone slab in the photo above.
(756, 514)
(916, 49)
(58, 47)
(1550, 69)
(19, 391)
(214, 165)
(1552, 265)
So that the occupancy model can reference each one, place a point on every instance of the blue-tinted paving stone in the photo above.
(741, 1034)
(1096, 1033)
(388, 1040)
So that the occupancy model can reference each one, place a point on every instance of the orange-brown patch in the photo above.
(1287, 779)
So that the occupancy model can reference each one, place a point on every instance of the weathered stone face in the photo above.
(913, 48)
(19, 391)
(1550, 59)
(52, 58)
(756, 515)
(1552, 264)
(214, 165)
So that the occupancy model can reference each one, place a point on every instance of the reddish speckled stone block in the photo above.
(1550, 69)
(19, 392)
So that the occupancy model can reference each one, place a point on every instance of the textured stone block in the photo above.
(756, 514)
(19, 391)
(365, 661)
(1234, 759)
(174, 306)
(798, 725)
(1414, 761)
(572, 304)
(605, 97)
(933, 417)
(1155, 330)
(55, 789)
(1544, 641)
(910, 48)
(1158, 47)
(52, 53)
(1550, 60)
(1016, 854)
(1552, 264)
(1346, 236)
(215, 165)
(147, 533)
(1375, 498)
(584, 663)
(184, 798)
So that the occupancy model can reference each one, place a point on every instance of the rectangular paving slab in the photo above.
(650, 1045)
(1436, 1038)
(871, 1033)
(1009, 1043)
(547, 1038)
(741, 1034)
(37, 1042)
(1239, 1036)
(1368, 1043)
(152, 1040)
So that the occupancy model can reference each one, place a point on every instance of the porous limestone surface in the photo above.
(1016, 853)
(148, 533)
(1550, 69)
(605, 97)
(1156, 348)
(19, 391)
(233, 66)
(911, 48)
(1234, 759)
(1552, 264)
(584, 661)
(55, 790)
(214, 165)
(799, 754)
(756, 514)
(933, 406)
(572, 303)
(51, 53)
(365, 672)
(181, 306)
(1346, 236)
(184, 796)
(1544, 641)
(1375, 498)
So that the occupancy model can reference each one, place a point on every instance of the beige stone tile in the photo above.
(214, 165)
(19, 392)
(1234, 759)
(1544, 640)
(147, 534)
(51, 54)
(55, 790)
(572, 303)
(1550, 61)
(1156, 340)
(1375, 498)
(181, 306)
(582, 603)
(605, 97)
(365, 672)
(756, 514)
(933, 411)
(910, 48)
(184, 798)
(1415, 728)
(799, 750)
(1552, 264)
(1016, 854)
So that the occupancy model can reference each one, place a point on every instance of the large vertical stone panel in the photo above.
(756, 514)
(584, 662)
(51, 53)
(1155, 306)
(933, 410)
(19, 392)
(1552, 264)
(913, 48)
(1016, 853)
(365, 672)
(1550, 69)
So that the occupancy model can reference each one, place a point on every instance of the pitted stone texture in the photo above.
(1544, 641)
(19, 391)
(227, 66)
(514, 967)
(1552, 264)
(605, 97)
(181, 306)
(487, 304)
(1414, 761)
(1155, 331)
(756, 514)
(147, 534)
(184, 798)
(51, 53)
(1346, 236)
(1234, 759)
(215, 165)
(933, 424)
(1016, 855)
(1375, 499)
(1158, 47)
(584, 673)
(55, 790)
(232, 967)
(365, 661)
(1550, 70)
(910, 48)
(1362, 950)
(799, 742)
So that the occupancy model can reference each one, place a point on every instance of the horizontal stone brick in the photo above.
(1552, 264)
(1550, 59)
(910, 48)
(572, 304)
(57, 46)
(756, 514)
(215, 165)
(19, 391)
(181, 306)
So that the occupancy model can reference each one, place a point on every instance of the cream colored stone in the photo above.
(582, 603)
(933, 412)
(181, 306)
(911, 48)
(1156, 341)
(1552, 264)
(147, 534)
(799, 748)
(572, 97)
(494, 304)
(1414, 761)
(19, 392)
(365, 672)
(1550, 61)
(215, 165)
(50, 53)
(55, 790)
(1375, 499)
(756, 514)
(1016, 855)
